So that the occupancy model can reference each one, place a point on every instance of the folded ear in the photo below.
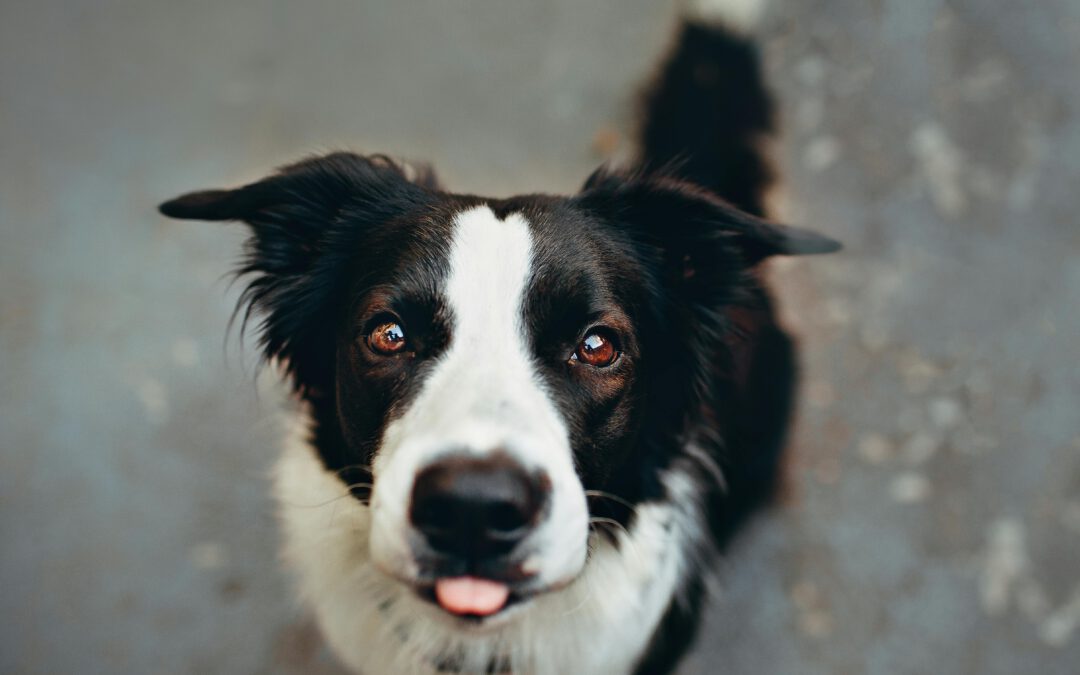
(693, 222)
(308, 221)
(322, 184)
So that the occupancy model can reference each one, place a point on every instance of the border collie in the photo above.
(528, 425)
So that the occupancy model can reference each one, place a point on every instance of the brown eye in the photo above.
(387, 339)
(596, 349)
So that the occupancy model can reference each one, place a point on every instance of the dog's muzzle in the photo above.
(472, 518)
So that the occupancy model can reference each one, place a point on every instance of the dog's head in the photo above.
(480, 368)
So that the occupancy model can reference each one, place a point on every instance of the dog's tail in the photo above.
(708, 114)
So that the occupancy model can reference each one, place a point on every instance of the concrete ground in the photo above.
(932, 523)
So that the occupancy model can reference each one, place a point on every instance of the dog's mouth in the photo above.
(471, 598)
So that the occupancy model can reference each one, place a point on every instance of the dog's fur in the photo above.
(653, 463)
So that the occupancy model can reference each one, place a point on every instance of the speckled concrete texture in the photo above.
(932, 518)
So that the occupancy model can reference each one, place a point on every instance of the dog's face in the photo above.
(488, 370)
(472, 386)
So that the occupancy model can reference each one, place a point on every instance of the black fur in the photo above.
(709, 112)
(666, 256)
(708, 116)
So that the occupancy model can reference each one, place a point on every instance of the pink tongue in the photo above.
(469, 595)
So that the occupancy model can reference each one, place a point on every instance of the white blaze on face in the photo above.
(484, 395)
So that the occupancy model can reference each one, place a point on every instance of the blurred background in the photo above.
(932, 522)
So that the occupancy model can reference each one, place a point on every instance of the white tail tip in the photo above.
(740, 15)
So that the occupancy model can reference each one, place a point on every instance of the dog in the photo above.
(528, 426)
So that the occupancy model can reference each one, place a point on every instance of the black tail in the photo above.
(708, 114)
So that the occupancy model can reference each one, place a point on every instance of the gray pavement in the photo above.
(932, 518)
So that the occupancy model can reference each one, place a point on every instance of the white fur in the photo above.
(482, 396)
(740, 15)
(600, 623)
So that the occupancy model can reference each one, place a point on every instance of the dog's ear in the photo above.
(704, 251)
(308, 221)
(692, 223)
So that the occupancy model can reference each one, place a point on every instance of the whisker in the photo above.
(611, 522)
(351, 486)
(585, 600)
(333, 512)
(366, 468)
(613, 497)
(332, 500)
(594, 520)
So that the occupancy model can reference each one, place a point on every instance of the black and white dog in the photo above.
(528, 424)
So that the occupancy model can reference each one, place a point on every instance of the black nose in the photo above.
(477, 508)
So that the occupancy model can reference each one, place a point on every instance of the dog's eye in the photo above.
(388, 338)
(597, 349)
